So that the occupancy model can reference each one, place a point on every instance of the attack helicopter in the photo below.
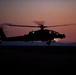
(43, 34)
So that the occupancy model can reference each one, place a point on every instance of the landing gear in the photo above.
(48, 43)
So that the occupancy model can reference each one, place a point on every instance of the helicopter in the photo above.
(43, 35)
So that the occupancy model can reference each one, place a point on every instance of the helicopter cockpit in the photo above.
(53, 32)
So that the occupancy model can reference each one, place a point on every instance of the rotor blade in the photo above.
(19, 25)
(22, 26)
(60, 25)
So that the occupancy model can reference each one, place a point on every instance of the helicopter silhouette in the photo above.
(43, 35)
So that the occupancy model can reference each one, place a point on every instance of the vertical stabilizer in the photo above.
(2, 35)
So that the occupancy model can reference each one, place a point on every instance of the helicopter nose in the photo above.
(63, 36)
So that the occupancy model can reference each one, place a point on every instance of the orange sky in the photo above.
(51, 11)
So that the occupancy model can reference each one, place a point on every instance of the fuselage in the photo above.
(44, 35)
(39, 35)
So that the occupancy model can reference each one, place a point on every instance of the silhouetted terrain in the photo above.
(22, 43)
(37, 60)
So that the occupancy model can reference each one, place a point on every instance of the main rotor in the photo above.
(39, 23)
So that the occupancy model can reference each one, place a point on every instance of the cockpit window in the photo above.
(50, 32)
(53, 32)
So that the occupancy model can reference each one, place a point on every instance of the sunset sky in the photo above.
(53, 12)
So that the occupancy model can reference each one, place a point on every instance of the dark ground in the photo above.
(37, 60)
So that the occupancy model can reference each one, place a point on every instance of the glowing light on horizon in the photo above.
(56, 39)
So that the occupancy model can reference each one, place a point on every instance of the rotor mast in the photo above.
(41, 24)
(42, 27)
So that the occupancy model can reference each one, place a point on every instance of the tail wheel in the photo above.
(0, 41)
